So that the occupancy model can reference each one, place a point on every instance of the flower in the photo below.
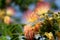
(33, 17)
(10, 11)
(2, 13)
(30, 16)
(37, 26)
(28, 32)
(7, 20)
(42, 7)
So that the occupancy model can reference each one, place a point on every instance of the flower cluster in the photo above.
(6, 14)
(46, 27)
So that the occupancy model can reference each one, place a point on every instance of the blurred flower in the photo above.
(2, 13)
(30, 16)
(7, 20)
(49, 35)
(42, 16)
(42, 7)
(33, 17)
(10, 11)
(28, 32)
(37, 27)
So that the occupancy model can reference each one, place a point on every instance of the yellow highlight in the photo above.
(7, 19)
(49, 35)
(10, 11)
(33, 17)
(41, 10)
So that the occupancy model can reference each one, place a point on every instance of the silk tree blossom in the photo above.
(28, 32)
(33, 17)
(37, 27)
(7, 20)
(10, 11)
(30, 16)
(42, 7)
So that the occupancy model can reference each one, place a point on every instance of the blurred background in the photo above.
(13, 16)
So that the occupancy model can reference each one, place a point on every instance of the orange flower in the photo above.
(28, 32)
(42, 7)
(7, 19)
(37, 27)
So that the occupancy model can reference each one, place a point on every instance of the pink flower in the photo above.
(10, 11)
(28, 32)
(42, 7)
(30, 16)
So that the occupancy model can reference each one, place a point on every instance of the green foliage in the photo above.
(12, 30)
(2, 3)
(50, 25)
(4, 38)
(22, 3)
